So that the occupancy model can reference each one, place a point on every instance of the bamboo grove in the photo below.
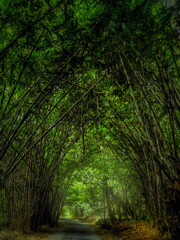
(90, 90)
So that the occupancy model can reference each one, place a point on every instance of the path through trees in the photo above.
(89, 94)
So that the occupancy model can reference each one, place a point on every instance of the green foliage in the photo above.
(89, 110)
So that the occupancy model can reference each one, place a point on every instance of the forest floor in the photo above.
(44, 233)
(125, 230)
(139, 230)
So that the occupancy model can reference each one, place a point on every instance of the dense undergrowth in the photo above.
(130, 231)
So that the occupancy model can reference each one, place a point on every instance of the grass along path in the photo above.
(130, 231)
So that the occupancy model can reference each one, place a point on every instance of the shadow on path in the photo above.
(73, 230)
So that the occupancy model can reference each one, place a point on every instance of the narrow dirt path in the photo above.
(73, 230)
